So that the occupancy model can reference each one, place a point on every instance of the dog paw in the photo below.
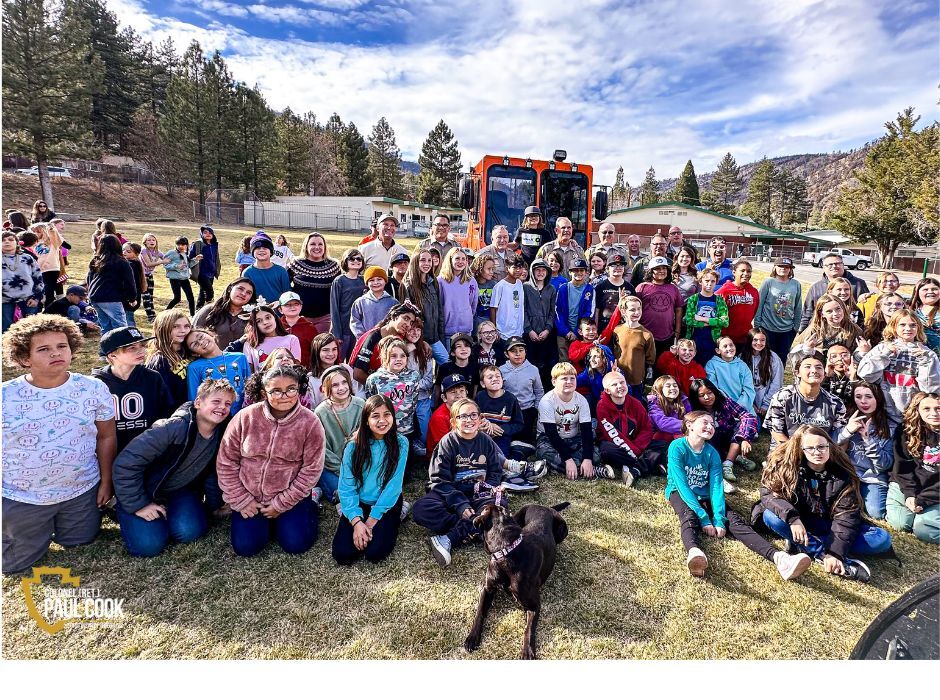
(472, 643)
(528, 653)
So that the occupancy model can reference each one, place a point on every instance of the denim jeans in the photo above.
(870, 539)
(186, 521)
(875, 497)
(423, 414)
(110, 315)
(440, 353)
(329, 482)
(9, 309)
(295, 530)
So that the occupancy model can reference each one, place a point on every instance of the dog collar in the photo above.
(506, 551)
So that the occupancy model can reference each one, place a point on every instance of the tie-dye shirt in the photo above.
(402, 390)
(50, 437)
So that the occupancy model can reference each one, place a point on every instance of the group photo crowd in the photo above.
(328, 379)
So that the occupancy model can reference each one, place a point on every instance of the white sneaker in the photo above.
(627, 477)
(791, 566)
(440, 549)
(697, 562)
(728, 487)
(405, 510)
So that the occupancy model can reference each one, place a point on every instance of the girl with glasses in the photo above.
(810, 497)
(888, 305)
(885, 283)
(269, 490)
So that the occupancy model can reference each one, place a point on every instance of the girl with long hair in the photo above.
(556, 263)
(684, 274)
(868, 439)
(888, 305)
(913, 493)
(886, 282)
(48, 250)
(735, 427)
(150, 258)
(344, 290)
(110, 284)
(809, 496)
(167, 353)
(842, 290)
(902, 363)
(483, 269)
(269, 491)
(766, 369)
(591, 379)
(312, 275)
(422, 290)
(694, 490)
(325, 353)
(243, 256)
(132, 255)
(254, 385)
(420, 359)
(370, 486)
(925, 301)
(340, 413)
(283, 255)
(397, 381)
(459, 294)
(225, 316)
(830, 324)
(209, 267)
(263, 334)
(597, 262)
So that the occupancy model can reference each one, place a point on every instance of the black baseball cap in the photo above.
(514, 341)
(579, 264)
(452, 380)
(120, 338)
(399, 257)
(616, 259)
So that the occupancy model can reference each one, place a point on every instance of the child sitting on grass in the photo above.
(667, 407)
(565, 437)
(732, 377)
(694, 490)
(913, 501)
(211, 363)
(624, 431)
(590, 380)
(58, 443)
(766, 368)
(339, 414)
(461, 362)
(522, 379)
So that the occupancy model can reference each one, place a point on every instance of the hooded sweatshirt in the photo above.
(627, 425)
(22, 279)
(367, 312)
(539, 306)
(901, 375)
(735, 379)
(669, 363)
(139, 401)
(917, 478)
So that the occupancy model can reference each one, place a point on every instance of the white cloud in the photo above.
(614, 84)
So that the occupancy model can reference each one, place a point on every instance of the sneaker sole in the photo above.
(697, 566)
(627, 478)
(438, 555)
(799, 569)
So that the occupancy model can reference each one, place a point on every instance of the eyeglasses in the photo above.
(816, 448)
(893, 305)
(468, 416)
(441, 225)
(487, 332)
(286, 393)
(833, 265)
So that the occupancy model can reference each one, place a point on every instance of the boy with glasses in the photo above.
(718, 261)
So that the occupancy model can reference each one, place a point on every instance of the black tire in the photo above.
(862, 266)
(912, 619)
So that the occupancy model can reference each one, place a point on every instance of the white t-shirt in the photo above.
(282, 255)
(50, 437)
(509, 302)
(566, 415)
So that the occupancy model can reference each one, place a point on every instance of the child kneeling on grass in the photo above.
(565, 437)
(370, 484)
(809, 496)
(269, 461)
(694, 490)
(161, 476)
(59, 443)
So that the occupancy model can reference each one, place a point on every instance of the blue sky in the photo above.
(634, 83)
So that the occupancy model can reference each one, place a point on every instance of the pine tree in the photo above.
(385, 160)
(760, 193)
(46, 87)
(440, 167)
(293, 145)
(147, 144)
(649, 190)
(218, 92)
(355, 161)
(620, 194)
(256, 142)
(726, 184)
(686, 189)
(154, 69)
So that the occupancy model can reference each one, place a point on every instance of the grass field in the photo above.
(620, 589)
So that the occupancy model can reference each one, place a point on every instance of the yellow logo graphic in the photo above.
(54, 607)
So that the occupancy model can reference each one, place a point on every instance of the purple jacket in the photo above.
(460, 302)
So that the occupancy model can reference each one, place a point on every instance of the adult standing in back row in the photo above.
(440, 236)
(312, 274)
(498, 250)
(565, 244)
(718, 261)
(379, 253)
(833, 268)
(532, 234)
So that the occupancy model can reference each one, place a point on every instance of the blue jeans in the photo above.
(329, 482)
(440, 353)
(423, 414)
(9, 309)
(186, 521)
(110, 315)
(876, 500)
(870, 539)
(295, 530)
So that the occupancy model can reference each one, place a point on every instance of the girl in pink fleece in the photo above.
(269, 462)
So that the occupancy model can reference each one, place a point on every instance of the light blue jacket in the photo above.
(178, 265)
(371, 493)
(734, 379)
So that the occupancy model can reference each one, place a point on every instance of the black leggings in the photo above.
(206, 292)
(53, 288)
(182, 286)
(384, 537)
(738, 528)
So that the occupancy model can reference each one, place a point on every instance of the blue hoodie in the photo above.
(735, 379)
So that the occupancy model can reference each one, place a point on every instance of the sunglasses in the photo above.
(354, 258)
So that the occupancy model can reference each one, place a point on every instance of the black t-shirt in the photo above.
(471, 373)
(138, 402)
(607, 297)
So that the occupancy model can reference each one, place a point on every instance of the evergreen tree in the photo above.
(147, 144)
(46, 87)
(256, 142)
(686, 190)
(760, 193)
(620, 194)
(440, 167)
(293, 145)
(355, 162)
(385, 160)
(218, 91)
(649, 190)
(726, 184)
(154, 69)
(791, 197)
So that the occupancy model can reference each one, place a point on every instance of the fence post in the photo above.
(926, 263)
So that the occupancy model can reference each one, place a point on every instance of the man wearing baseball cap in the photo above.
(141, 397)
(381, 251)
(531, 234)
(607, 294)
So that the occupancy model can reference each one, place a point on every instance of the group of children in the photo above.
(586, 379)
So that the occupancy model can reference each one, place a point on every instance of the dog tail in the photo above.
(561, 506)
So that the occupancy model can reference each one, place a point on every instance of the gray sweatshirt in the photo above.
(524, 383)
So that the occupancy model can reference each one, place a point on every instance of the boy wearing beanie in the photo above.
(270, 280)
(372, 307)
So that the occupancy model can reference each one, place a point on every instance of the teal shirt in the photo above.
(371, 493)
(694, 476)
(574, 304)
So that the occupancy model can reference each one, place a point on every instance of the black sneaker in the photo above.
(536, 470)
(518, 484)
(855, 570)
(526, 449)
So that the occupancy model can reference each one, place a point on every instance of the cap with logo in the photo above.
(399, 257)
(658, 261)
(616, 259)
(579, 264)
(514, 341)
(118, 338)
(452, 380)
(784, 262)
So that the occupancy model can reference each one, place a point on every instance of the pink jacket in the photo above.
(276, 462)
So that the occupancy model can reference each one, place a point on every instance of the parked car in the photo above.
(54, 171)
(856, 262)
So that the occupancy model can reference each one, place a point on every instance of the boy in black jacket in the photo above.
(140, 394)
(161, 476)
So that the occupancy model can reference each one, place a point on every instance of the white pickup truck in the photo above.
(856, 262)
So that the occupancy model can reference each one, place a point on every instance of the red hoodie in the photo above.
(742, 307)
(628, 424)
(669, 363)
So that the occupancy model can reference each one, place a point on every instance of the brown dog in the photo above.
(522, 555)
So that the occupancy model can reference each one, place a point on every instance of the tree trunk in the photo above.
(45, 184)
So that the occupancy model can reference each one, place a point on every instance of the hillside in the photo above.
(88, 199)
